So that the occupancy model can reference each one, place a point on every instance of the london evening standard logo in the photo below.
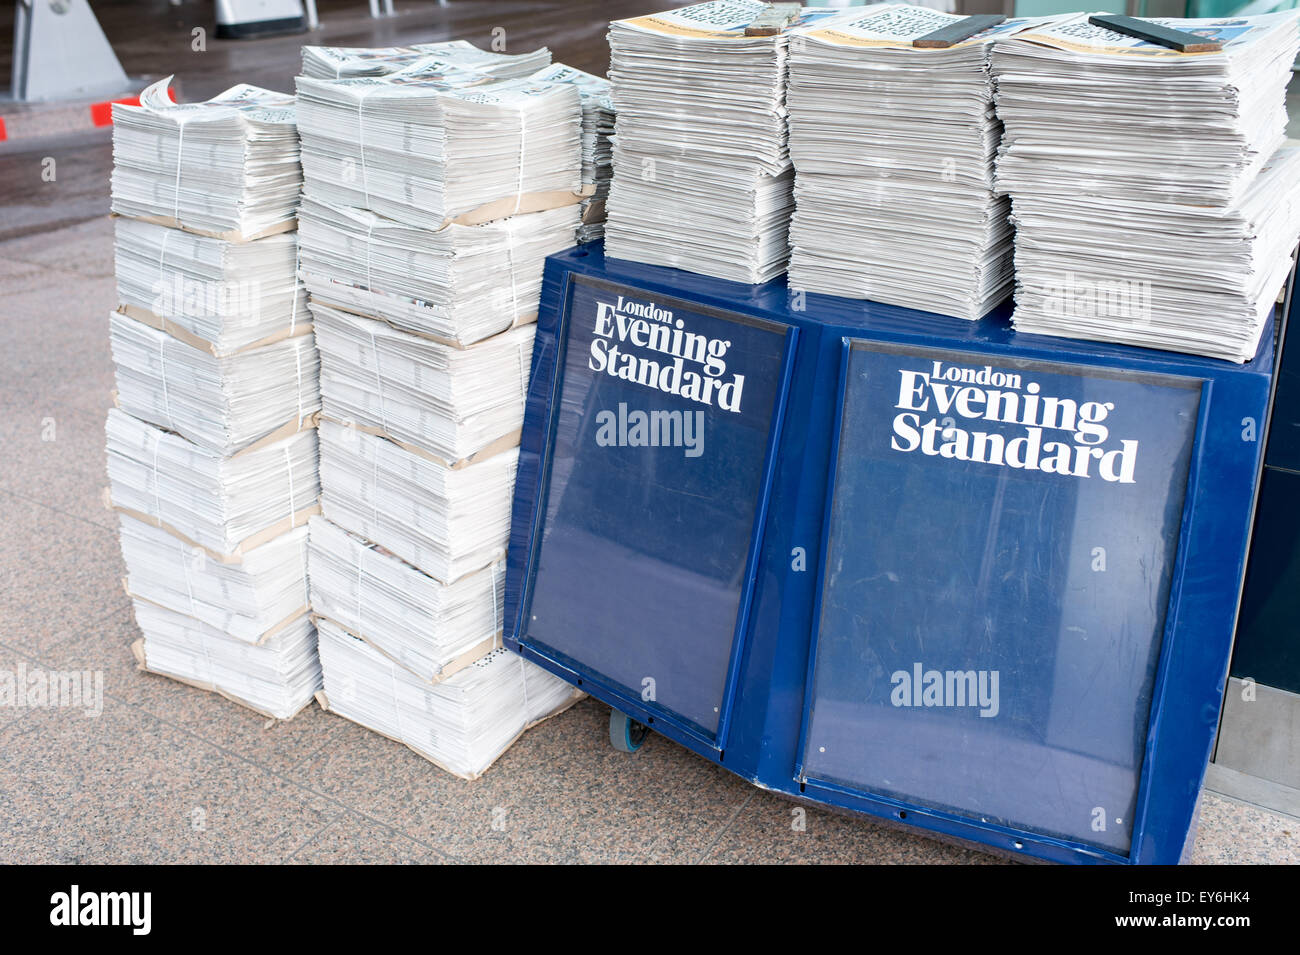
(947, 411)
(644, 343)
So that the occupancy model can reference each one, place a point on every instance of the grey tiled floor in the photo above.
(170, 774)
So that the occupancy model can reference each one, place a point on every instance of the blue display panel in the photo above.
(666, 419)
(1001, 540)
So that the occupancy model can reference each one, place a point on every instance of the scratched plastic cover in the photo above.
(657, 464)
(1001, 549)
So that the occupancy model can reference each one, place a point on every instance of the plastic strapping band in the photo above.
(297, 358)
(162, 374)
(379, 380)
(523, 681)
(370, 231)
(162, 259)
(176, 187)
(510, 259)
(496, 608)
(157, 497)
(288, 463)
(361, 556)
(519, 186)
(187, 555)
(293, 313)
(361, 141)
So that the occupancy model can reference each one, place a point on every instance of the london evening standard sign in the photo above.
(1013, 419)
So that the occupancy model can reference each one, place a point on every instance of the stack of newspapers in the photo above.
(597, 147)
(432, 193)
(228, 295)
(702, 176)
(894, 202)
(429, 147)
(226, 167)
(212, 452)
(1153, 201)
(459, 285)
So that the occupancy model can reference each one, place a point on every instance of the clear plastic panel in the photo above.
(1001, 549)
(664, 420)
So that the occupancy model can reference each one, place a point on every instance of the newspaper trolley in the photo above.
(975, 582)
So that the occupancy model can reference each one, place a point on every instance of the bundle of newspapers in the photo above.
(430, 144)
(597, 147)
(451, 402)
(221, 403)
(446, 521)
(277, 677)
(228, 166)
(249, 599)
(702, 176)
(215, 549)
(1151, 201)
(337, 63)
(215, 293)
(212, 453)
(462, 723)
(460, 284)
(894, 201)
(224, 504)
(437, 180)
(418, 621)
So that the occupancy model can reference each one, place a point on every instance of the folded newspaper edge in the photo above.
(521, 204)
(574, 697)
(182, 334)
(230, 235)
(267, 635)
(368, 303)
(137, 650)
(449, 669)
(498, 446)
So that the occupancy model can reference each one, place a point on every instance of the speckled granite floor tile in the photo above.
(63, 576)
(561, 794)
(55, 346)
(55, 456)
(352, 839)
(1233, 833)
(125, 787)
(277, 745)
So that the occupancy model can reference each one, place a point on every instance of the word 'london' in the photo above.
(651, 328)
(947, 393)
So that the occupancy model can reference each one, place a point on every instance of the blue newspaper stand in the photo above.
(932, 571)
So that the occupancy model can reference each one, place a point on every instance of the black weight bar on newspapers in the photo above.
(1178, 40)
(774, 18)
(954, 33)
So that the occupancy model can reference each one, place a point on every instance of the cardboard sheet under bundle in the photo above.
(227, 166)
(449, 401)
(895, 202)
(430, 144)
(429, 627)
(277, 677)
(226, 505)
(1151, 200)
(250, 599)
(462, 724)
(221, 404)
(460, 284)
(228, 295)
(448, 522)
